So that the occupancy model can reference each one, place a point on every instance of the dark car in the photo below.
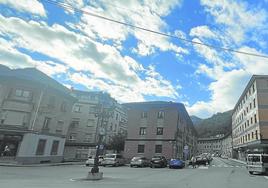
(176, 163)
(139, 162)
(158, 161)
(201, 160)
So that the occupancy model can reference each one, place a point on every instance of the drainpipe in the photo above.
(37, 109)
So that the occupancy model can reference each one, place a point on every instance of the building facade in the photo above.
(93, 111)
(220, 144)
(250, 118)
(159, 128)
(34, 116)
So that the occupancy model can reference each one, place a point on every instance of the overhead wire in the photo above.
(70, 7)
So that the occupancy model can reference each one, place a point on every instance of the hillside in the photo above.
(220, 123)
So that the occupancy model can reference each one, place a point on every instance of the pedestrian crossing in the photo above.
(219, 166)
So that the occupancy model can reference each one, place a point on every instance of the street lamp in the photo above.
(103, 113)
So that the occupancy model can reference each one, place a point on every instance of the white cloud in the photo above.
(31, 6)
(103, 64)
(145, 14)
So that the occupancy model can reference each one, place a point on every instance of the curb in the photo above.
(239, 161)
(41, 165)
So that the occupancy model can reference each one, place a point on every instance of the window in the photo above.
(254, 103)
(144, 115)
(54, 148)
(248, 137)
(251, 120)
(74, 123)
(91, 122)
(160, 115)
(252, 135)
(41, 147)
(247, 123)
(77, 108)
(159, 131)
(116, 117)
(256, 134)
(141, 148)
(63, 106)
(264, 159)
(88, 137)
(158, 148)
(59, 127)
(46, 123)
(250, 105)
(255, 118)
(72, 137)
(143, 131)
(22, 93)
(247, 109)
(253, 88)
(256, 159)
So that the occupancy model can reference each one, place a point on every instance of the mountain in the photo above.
(196, 120)
(220, 123)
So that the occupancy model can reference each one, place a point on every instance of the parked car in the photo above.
(201, 160)
(90, 160)
(158, 161)
(176, 163)
(139, 162)
(113, 160)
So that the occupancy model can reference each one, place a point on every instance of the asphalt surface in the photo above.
(221, 173)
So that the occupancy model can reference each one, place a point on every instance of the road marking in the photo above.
(237, 166)
(203, 167)
(266, 177)
(226, 166)
(213, 165)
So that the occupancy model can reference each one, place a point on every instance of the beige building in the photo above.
(86, 123)
(159, 128)
(34, 116)
(220, 144)
(250, 118)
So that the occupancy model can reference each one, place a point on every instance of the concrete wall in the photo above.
(27, 149)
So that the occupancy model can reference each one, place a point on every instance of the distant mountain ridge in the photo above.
(220, 123)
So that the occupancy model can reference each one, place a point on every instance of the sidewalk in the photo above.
(40, 165)
(238, 161)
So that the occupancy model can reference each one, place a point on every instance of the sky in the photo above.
(89, 53)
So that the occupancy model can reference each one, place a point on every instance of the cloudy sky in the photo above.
(90, 53)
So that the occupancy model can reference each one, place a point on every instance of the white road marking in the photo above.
(237, 166)
(266, 177)
(213, 165)
(226, 166)
(203, 167)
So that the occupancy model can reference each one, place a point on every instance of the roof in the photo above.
(162, 104)
(33, 75)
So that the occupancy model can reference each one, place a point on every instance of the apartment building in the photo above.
(250, 118)
(159, 128)
(219, 144)
(34, 116)
(93, 111)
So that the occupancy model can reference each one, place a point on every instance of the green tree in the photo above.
(117, 143)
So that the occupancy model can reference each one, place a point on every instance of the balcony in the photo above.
(15, 105)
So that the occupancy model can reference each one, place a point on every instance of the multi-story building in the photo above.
(250, 118)
(34, 116)
(159, 128)
(220, 144)
(93, 111)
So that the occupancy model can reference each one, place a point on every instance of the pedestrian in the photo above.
(193, 160)
(6, 151)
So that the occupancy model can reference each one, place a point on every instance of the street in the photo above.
(221, 173)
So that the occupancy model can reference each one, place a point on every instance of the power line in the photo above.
(69, 7)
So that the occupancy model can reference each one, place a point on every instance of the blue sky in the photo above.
(89, 53)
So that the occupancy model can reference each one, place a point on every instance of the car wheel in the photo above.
(104, 165)
(131, 166)
(87, 164)
(250, 172)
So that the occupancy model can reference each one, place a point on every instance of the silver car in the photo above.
(113, 160)
(139, 162)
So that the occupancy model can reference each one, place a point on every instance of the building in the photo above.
(34, 116)
(159, 128)
(93, 111)
(250, 118)
(220, 144)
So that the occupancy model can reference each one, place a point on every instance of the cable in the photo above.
(69, 7)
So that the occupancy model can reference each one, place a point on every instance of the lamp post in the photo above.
(103, 113)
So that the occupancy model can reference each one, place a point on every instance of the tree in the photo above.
(117, 143)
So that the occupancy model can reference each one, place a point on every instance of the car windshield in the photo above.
(110, 156)
(168, 93)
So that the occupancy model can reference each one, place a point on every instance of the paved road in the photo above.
(220, 174)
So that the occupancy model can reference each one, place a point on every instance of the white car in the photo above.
(113, 160)
(90, 160)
